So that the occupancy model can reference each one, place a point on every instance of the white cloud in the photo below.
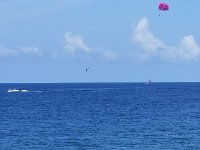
(5, 51)
(109, 55)
(145, 38)
(29, 50)
(75, 43)
(189, 49)
(152, 47)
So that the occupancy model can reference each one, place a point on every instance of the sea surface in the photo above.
(100, 116)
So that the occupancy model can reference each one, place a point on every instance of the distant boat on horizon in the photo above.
(148, 82)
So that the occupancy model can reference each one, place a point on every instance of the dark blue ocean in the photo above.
(100, 116)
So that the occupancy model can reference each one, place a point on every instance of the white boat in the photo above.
(148, 82)
(13, 90)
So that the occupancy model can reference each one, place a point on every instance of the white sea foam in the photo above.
(24, 91)
(17, 90)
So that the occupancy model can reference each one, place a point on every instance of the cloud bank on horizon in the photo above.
(154, 48)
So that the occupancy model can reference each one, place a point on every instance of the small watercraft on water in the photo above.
(148, 82)
(13, 90)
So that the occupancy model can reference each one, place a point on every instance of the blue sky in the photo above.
(121, 41)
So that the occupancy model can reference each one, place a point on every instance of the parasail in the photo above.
(163, 7)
